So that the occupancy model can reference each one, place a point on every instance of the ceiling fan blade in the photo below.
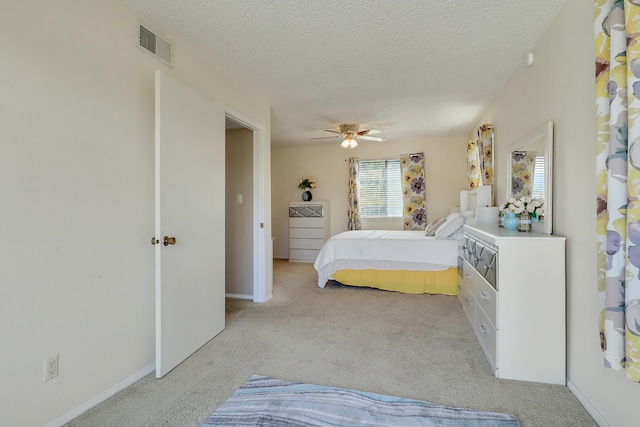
(369, 132)
(325, 137)
(372, 138)
(334, 131)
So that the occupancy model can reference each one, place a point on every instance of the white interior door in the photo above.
(190, 188)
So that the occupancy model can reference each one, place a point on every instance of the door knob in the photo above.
(154, 240)
(168, 240)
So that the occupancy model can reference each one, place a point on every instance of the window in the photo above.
(379, 189)
(538, 179)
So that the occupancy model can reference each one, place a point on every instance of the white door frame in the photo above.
(262, 242)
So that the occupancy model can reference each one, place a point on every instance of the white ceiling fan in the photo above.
(350, 132)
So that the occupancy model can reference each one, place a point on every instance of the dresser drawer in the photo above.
(487, 337)
(307, 255)
(487, 298)
(469, 275)
(306, 233)
(306, 222)
(306, 210)
(306, 243)
(467, 301)
(486, 265)
(482, 256)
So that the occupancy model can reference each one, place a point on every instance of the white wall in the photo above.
(560, 87)
(445, 170)
(239, 217)
(77, 191)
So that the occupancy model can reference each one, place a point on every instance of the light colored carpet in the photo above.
(413, 346)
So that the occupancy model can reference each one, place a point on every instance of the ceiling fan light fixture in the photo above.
(349, 142)
(350, 133)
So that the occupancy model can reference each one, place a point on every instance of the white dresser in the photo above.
(512, 290)
(308, 230)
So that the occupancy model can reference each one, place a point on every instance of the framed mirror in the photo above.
(530, 173)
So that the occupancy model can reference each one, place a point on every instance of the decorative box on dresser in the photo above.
(512, 290)
(308, 230)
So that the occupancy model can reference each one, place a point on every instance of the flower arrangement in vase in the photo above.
(305, 183)
(524, 209)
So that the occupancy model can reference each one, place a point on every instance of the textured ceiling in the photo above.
(410, 68)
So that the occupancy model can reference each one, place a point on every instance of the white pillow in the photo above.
(433, 226)
(453, 222)
(457, 235)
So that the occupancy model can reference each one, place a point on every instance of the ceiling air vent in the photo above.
(155, 45)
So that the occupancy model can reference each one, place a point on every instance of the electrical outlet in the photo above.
(50, 368)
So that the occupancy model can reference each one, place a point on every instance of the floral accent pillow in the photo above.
(450, 226)
(433, 226)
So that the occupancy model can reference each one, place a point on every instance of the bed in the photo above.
(415, 262)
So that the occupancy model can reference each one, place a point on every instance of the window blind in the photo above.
(379, 189)
(538, 179)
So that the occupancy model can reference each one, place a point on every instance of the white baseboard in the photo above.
(241, 296)
(101, 397)
(587, 405)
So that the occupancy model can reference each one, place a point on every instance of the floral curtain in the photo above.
(617, 57)
(480, 158)
(485, 155)
(473, 164)
(413, 191)
(353, 213)
(523, 165)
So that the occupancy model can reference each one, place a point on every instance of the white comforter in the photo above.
(384, 249)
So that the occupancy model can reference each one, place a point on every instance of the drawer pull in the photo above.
(483, 328)
(484, 295)
(467, 301)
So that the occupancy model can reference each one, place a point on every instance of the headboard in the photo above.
(471, 199)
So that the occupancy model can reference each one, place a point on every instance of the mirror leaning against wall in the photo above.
(530, 172)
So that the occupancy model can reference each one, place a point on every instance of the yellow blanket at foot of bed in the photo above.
(407, 281)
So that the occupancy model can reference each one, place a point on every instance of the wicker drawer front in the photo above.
(306, 222)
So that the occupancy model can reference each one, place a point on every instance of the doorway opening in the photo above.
(248, 264)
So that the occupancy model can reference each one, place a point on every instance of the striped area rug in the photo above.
(263, 401)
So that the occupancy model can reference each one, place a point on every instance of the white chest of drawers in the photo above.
(512, 290)
(308, 230)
